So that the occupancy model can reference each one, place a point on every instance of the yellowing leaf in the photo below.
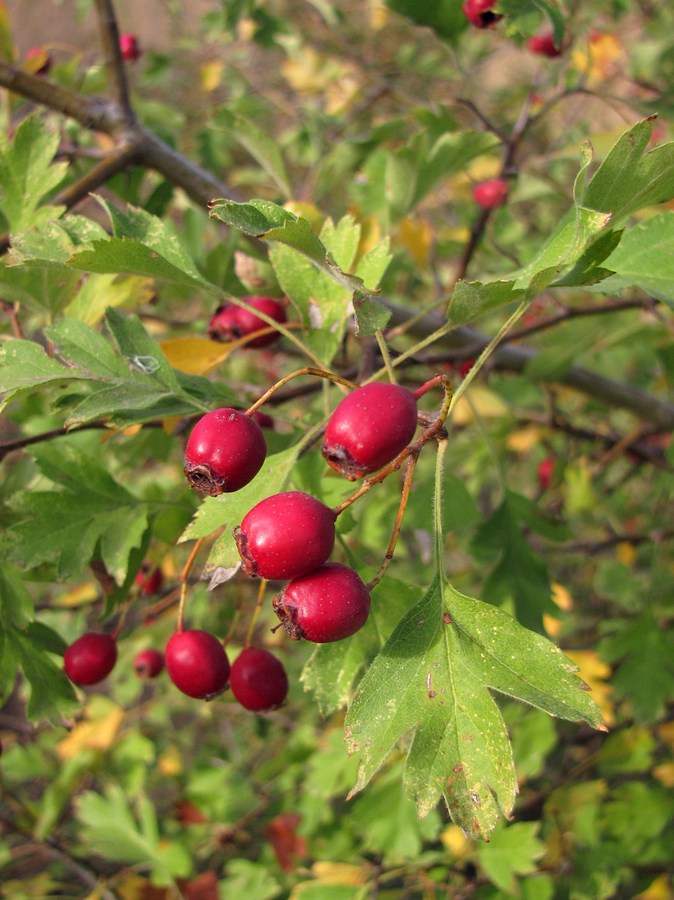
(77, 596)
(416, 236)
(595, 672)
(525, 439)
(564, 601)
(626, 553)
(92, 734)
(210, 74)
(665, 774)
(666, 734)
(196, 355)
(659, 889)
(456, 842)
(481, 401)
(601, 59)
(170, 762)
(339, 873)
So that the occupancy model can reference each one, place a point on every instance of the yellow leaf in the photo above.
(456, 842)
(170, 762)
(626, 553)
(77, 596)
(132, 886)
(595, 672)
(660, 889)
(666, 734)
(416, 236)
(91, 734)
(525, 439)
(484, 402)
(210, 74)
(564, 601)
(602, 57)
(196, 355)
(665, 774)
(339, 873)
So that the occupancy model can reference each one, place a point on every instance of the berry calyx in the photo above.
(369, 428)
(491, 193)
(258, 680)
(328, 604)
(231, 322)
(225, 451)
(285, 535)
(129, 47)
(90, 658)
(148, 663)
(544, 45)
(479, 13)
(197, 663)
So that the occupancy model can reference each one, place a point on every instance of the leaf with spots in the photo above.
(431, 685)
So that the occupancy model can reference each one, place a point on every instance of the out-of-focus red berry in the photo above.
(546, 470)
(544, 45)
(129, 48)
(149, 580)
(491, 193)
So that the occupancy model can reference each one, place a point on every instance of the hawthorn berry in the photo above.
(231, 321)
(544, 45)
(479, 13)
(258, 680)
(90, 658)
(325, 605)
(225, 451)
(129, 47)
(148, 663)
(546, 468)
(491, 193)
(149, 580)
(197, 663)
(369, 428)
(285, 535)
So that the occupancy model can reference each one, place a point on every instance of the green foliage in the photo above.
(455, 744)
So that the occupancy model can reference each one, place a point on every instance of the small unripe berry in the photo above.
(197, 663)
(258, 680)
(90, 658)
(285, 535)
(39, 58)
(369, 428)
(225, 451)
(148, 663)
(544, 45)
(231, 322)
(328, 604)
(129, 48)
(491, 193)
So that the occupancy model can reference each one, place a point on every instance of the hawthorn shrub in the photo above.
(444, 436)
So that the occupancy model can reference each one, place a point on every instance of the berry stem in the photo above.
(404, 497)
(184, 575)
(308, 370)
(436, 428)
(383, 349)
(428, 385)
(256, 614)
(122, 617)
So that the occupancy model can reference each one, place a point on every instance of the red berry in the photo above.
(491, 193)
(479, 13)
(328, 604)
(231, 322)
(149, 580)
(225, 451)
(90, 658)
(544, 45)
(546, 470)
(128, 45)
(285, 535)
(466, 365)
(369, 428)
(148, 663)
(197, 663)
(258, 680)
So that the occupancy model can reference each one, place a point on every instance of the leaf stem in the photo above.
(307, 370)
(395, 534)
(256, 614)
(439, 532)
(184, 575)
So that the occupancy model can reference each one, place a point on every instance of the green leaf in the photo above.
(443, 16)
(128, 257)
(643, 259)
(631, 178)
(511, 851)
(86, 349)
(471, 299)
(261, 147)
(432, 680)
(28, 174)
(51, 245)
(24, 365)
(69, 526)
